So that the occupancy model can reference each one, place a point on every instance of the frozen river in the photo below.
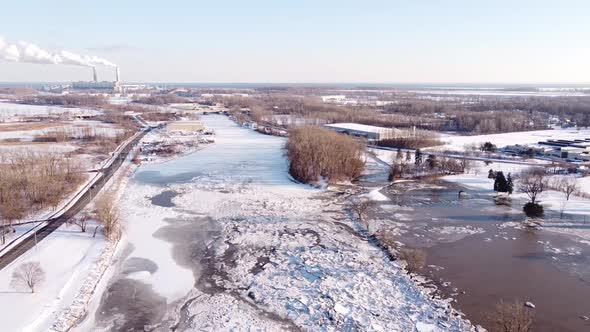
(223, 239)
(164, 244)
(238, 153)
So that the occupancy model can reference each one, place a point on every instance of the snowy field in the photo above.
(13, 112)
(507, 93)
(286, 255)
(73, 127)
(459, 143)
(66, 256)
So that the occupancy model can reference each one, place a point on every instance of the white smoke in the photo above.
(31, 53)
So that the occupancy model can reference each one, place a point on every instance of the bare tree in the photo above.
(532, 183)
(28, 275)
(108, 214)
(81, 221)
(360, 207)
(387, 238)
(398, 169)
(512, 317)
(465, 164)
(568, 185)
(415, 259)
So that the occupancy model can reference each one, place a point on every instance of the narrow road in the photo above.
(460, 156)
(54, 223)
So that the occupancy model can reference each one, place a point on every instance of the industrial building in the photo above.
(571, 150)
(103, 86)
(185, 127)
(361, 130)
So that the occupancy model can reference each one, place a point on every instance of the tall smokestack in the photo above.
(94, 74)
(117, 74)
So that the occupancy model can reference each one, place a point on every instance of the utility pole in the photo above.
(35, 234)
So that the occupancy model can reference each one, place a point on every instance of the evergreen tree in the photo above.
(500, 184)
(488, 147)
(491, 174)
(509, 184)
(418, 157)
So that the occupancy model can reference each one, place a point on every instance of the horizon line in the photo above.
(315, 83)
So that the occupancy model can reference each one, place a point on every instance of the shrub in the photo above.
(316, 153)
(512, 317)
(533, 210)
(421, 140)
(488, 147)
(108, 215)
(360, 207)
(415, 259)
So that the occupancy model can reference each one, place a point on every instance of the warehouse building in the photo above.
(361, 130)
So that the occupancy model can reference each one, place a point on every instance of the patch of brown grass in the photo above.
(23, 126)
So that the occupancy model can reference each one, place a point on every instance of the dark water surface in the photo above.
(503, 263)
(164, 199)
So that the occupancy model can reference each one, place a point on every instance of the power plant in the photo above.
(30, 53)
(95, 85)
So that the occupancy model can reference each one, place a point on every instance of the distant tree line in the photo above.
(77, 100)
(162, 99)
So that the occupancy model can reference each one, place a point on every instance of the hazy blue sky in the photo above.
(465, 41)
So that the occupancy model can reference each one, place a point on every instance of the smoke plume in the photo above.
(31, 53)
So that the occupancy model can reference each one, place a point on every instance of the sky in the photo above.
(303, 41)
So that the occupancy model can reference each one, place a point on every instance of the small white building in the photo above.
(568, 152)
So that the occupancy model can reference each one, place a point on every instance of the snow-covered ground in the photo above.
(74, 127)
(38, 147)
(65, 256)
(13, 112)
(466, 92)
(73, 262)
(459, 143)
